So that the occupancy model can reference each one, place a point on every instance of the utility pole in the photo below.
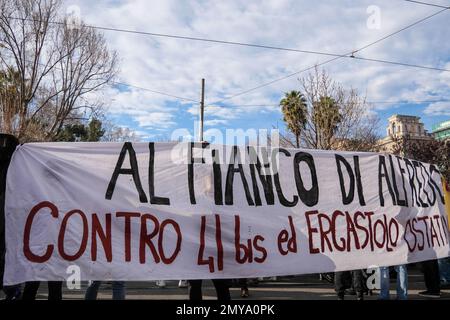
(202, 110)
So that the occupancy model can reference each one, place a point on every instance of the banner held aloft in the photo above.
(149, 211)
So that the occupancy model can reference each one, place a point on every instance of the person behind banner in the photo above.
(243, 284)
(32, 287)
(222, 287)
(444, 263)
(402, 283)
(444, 272)
(357, 284)
(12, 292)
(8, 144)
(430, 268)
(118, 290)
(430, 271)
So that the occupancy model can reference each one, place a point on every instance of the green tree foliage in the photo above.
(428, 151)
(95, 131)
(326, 117)
(92, 132)
(59, 65)
(293, 106)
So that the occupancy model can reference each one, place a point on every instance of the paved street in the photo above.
(307, 287)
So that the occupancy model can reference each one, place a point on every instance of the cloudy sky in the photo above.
(176, 66)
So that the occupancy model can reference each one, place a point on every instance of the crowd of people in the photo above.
(355, 282)
(29, 290)
(436, 277)
(347, 283)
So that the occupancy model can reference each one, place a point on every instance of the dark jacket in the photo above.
(8, 144)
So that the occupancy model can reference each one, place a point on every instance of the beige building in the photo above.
(403, 127)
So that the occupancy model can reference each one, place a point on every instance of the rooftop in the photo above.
(442, 126)
(403, 116)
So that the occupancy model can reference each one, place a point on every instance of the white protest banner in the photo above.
(148, 211)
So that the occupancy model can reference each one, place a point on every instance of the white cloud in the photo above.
(176, 66)
(215, 122)
(438, 108)
(155, 119)
(216, 112)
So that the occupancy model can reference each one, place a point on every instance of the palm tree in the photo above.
(294, 109)
(326, 118)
